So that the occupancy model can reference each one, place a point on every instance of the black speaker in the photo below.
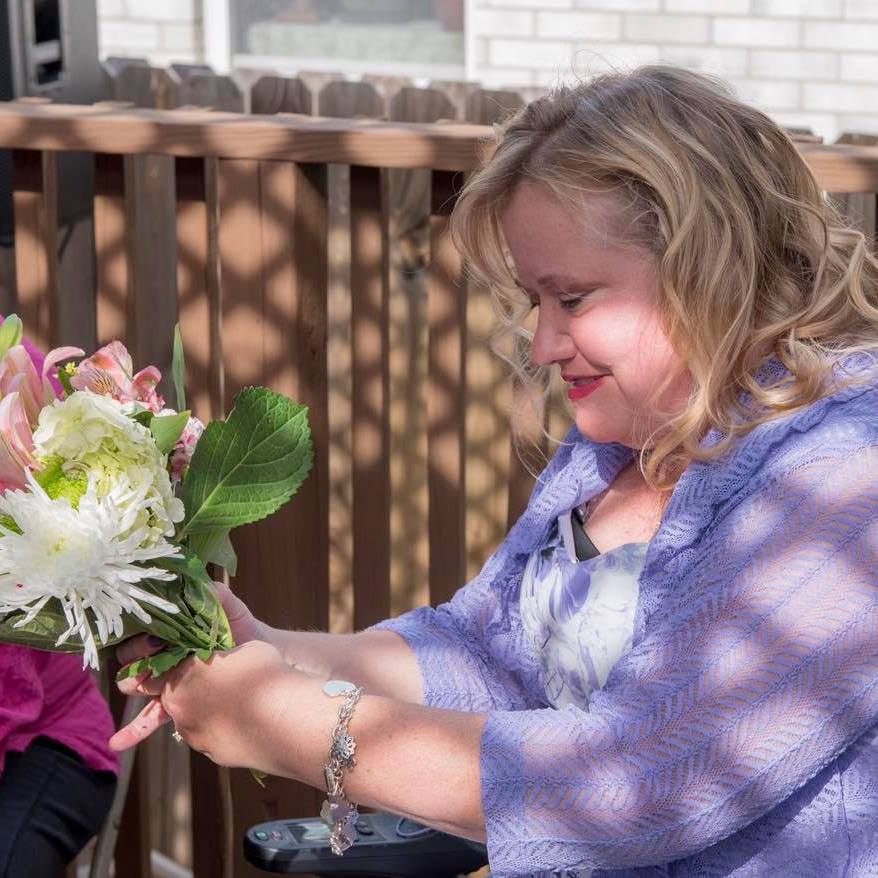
(49, 48)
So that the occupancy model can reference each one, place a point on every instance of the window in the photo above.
(419, 38)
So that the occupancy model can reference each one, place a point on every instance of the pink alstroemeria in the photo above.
(109, 372)
(24, 392)
(18, 374)
(181, 456)
(16, 443)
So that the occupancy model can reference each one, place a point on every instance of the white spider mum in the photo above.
(89, 558)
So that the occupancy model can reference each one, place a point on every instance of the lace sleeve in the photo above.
(471, 651)
(762, 670)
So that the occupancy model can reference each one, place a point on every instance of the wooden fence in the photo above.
(308, 254)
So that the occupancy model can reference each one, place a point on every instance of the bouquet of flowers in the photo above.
(111, 504)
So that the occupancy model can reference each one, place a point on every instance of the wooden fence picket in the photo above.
(457, 91)
(413, 279)
(35, 203)
(341, 99)
(278, 94)
(485, 106)
(211, 91)
(859, 208)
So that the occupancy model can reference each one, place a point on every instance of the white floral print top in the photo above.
(579, 614)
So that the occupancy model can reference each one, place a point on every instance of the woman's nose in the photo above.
(551, 343)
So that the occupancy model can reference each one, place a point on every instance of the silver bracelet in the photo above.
(338, 812)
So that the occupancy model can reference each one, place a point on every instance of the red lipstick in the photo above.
(580, 391)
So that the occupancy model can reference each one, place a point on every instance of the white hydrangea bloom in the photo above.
(94, 435)
(89, 558)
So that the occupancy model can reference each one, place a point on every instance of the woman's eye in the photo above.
(571, 303)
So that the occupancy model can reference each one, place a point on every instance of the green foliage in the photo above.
(178, 369)
(11, 333)
(143, 417)
(167, 429)
(247, 467)
(65, 373)
(215, 547)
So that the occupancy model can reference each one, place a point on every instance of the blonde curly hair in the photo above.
(753, 259)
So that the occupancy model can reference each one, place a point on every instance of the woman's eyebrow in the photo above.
(559, 280)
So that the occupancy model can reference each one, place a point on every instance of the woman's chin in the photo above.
(601, 430)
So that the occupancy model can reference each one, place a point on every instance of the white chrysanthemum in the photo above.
(86, 557)
(94, 435)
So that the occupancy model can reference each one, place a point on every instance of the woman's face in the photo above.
(598, 318)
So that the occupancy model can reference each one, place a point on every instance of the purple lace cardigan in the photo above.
(739, 736)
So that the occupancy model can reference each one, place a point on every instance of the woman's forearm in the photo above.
(379, 661)
(415, 761)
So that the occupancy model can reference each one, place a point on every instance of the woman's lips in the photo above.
(580, 391)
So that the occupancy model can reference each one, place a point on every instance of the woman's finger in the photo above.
(131, 685)
(152, 717)
(235, 608)
(137, 647)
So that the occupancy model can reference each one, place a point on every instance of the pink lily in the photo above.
(109, 372)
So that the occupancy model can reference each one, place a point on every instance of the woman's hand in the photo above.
(245, 626)
(210, 703)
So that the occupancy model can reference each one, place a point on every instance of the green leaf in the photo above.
(178, 369)
(157, 664)
(247, 467)
(215, 547)
(225, 555)
(187, 563)
(259, 776)
(11, 332)
(64, 380)
(167, 429)
(143, 417)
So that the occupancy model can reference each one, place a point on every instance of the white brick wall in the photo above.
(809, 63)
(579, 25)
(161, 30)
(668, 28)
(812, 63)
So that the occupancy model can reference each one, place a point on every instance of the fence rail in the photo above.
(311, 255)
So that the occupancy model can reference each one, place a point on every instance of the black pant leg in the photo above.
(51, 804)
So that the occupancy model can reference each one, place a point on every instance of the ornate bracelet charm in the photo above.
(338, 812)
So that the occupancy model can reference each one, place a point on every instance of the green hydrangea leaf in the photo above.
(246, 468)
(215, 547)
(167, 430)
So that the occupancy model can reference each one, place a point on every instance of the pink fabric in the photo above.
(49, 693)
(46, 693)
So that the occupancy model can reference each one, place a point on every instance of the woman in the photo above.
(670, 665)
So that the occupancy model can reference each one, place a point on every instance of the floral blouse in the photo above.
(579, 614)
